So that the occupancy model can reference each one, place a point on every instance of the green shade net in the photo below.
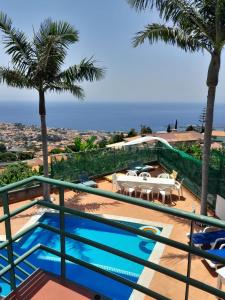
(100, 162)
(190, 169)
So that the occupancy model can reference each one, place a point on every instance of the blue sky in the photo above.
(106, 27)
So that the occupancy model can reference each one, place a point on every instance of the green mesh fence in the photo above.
(217, 178)
(100, 162)
(105, 161)
(190, 169)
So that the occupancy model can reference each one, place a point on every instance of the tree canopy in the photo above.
(37, 63)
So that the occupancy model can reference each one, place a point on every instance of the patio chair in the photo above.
(139, 168)
(165, 193)
(128, 190)
(114, 181)
(208, 238)
(146, 168)
(120, 188)
(164, 175)
(146, 190)
(85, 180)
(173, 174)
(131, 173)
(178, 188)
(144, 174)
(219, 252)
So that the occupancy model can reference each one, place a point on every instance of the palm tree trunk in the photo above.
(42, 113)
(212, 81)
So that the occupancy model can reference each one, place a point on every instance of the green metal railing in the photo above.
(13, 261)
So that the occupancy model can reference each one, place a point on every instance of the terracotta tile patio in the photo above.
(43, 286)
(172, 258)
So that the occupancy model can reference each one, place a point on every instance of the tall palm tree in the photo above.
(192, 25)
(37, 64)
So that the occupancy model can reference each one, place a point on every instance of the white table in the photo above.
(151, 182)
(220, 278)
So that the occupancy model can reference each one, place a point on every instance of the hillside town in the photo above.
(18, 137)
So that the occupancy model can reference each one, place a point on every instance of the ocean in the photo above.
(109, 116)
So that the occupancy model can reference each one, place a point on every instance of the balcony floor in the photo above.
(41, 286)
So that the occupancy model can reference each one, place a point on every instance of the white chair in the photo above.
(114, 181)
(131, 173)
(164, 175)
(155, 190)
(165, 193)
(178, 188)
(174, 174)
(144, 174)
(128, 190)
(121, 188)
(145, 190)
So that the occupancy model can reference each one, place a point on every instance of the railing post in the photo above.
(62, 232)
(189, 259)
(8, 234)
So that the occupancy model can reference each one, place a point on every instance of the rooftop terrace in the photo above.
(90, 201)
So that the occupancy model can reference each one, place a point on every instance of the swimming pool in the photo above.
(95, 231)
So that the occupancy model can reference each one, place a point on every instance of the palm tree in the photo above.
(37, 64)
(192, 25)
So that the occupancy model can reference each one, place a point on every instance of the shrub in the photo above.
(16, 172)
(25, 155)
(145, 129)
(8, 156)
(116, 138)
(2, 148)
(56, 151)
(132, 133)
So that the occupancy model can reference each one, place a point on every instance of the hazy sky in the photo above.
(106, 28)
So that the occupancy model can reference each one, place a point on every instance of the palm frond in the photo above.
(43, 70)
(61, 87)
(16, 43)
(174, 36)
(141, 4)
(184, 14)
(220, 22)
(15, 78)
(51, 42)
(86, 70)
(61, 32)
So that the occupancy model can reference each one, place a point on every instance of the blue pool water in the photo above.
(99, 232)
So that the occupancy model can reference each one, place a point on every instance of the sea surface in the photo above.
(109, 116)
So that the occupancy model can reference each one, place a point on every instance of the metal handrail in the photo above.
(62, 209)
(136, 231)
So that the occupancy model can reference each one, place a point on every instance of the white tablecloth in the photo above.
(151, 182)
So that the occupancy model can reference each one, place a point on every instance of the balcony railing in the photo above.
(13, 260)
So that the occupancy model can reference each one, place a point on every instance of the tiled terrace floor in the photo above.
(171, 258)
(43, 286)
